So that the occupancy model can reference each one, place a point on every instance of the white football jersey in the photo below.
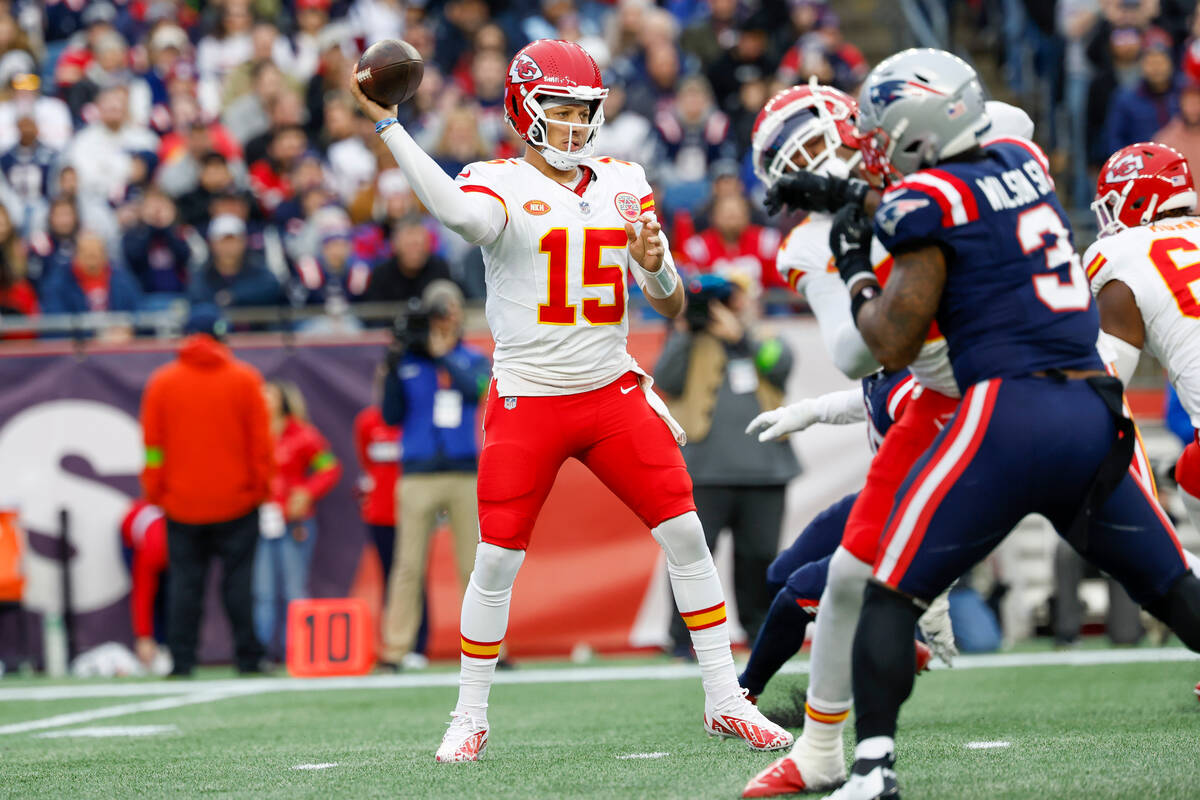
(1160, 264)
(805, 253)
(557, 276)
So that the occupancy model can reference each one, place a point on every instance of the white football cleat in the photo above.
(465, 740)
(737, 718)
(870, 780)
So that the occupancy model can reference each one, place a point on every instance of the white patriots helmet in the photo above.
(792, 120)
(919, 107)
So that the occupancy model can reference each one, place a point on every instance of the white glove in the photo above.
(783, 420)
(835, 408)
(935, 627)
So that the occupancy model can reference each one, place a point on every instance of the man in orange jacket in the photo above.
(209, 466)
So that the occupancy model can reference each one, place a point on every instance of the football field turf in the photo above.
(1028, 728)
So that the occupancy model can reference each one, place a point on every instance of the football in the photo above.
(390, 71)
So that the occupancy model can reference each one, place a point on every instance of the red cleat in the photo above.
(782, 777)
(924, 656)
(1198, 691)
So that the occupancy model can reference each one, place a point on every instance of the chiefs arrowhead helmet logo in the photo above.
(524, 69)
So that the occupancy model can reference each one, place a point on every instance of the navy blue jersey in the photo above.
(886, 395)
(1016, 299)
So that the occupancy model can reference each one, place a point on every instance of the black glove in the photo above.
(850, 241)
(810, 192)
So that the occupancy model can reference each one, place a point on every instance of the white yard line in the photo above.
(643, 755)
(108, 732)
(424, 680)
(315, 766)
(161, 704)
(987, 745)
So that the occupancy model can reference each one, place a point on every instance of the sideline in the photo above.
(251, 686)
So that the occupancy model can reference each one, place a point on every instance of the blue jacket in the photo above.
(409, 394)
(1135, 114)
(254, 285)
(60, 292)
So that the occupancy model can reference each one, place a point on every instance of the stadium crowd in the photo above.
(158, 150)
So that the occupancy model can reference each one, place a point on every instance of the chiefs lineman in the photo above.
(1141, 270)
(560, 232)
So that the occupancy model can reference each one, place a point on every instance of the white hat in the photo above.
(226, 225)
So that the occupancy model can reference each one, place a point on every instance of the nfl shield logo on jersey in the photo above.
(628, 206)
(510, 403)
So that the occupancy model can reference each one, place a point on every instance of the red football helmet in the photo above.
(1138, 183)
(797, 116)
(559, 70)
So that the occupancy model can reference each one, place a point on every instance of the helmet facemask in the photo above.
(538, 134)
(796, 129)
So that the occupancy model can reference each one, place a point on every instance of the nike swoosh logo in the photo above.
(466, 173)
(630, 389)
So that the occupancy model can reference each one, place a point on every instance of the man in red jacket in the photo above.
(208, 466)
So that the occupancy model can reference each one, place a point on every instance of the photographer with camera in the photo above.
(717, 377)
(432, 390)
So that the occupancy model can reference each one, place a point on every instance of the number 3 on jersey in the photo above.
(1033, 226)
(556, 246)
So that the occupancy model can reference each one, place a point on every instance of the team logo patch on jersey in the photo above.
(536, 208)
(510, 403)
(890, 215)
(628, 206)
(524, 69)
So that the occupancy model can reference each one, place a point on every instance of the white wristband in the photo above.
(663, 280)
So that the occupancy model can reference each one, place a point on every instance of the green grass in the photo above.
(1095, 732)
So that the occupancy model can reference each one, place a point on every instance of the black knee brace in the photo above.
(1180, 608)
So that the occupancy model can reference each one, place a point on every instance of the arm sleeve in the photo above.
(478, 216)
(144, 586)
(152, 437)
(394, 406)
(840, 408)
(326, 470)
(826, 295)
(670, 374)
(1120, 354)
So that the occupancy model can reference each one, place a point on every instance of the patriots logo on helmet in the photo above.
(885, 93)
(524, 69)
(890, 215)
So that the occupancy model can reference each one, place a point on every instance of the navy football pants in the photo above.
(1018, 446)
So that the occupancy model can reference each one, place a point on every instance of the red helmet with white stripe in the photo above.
(796, 117)
(561, 71)
(1138, 183)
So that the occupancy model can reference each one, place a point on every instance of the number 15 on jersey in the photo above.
(555, 245)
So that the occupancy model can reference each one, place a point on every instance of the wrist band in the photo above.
(383, 123)
(868, 293)
(663, 280)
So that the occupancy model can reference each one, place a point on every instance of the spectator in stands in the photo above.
(245, 112)
(233, 275)
(412, 267)
(718, 375)
(1137, 112)
(626, 134)
(1183, 131)
(461, 141)
(54, 246)
(351, 162)
(748, 59)
(268, 176)
(336, 273)
(144, 546)
(190, 139)
(735, 247)
(98, 19)
(102, 154)
(305, 472)
(712, 35)
(654, 93)
(330, 76)
(432, 391)
(220, 52)
(692, 137)
(20, 96)
(110, 67)
(1116, 67)
(90, 283)
(457, 25)
(215, 179)
(154, 250)
(16, 294)
(209, 466)
(27, 168)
